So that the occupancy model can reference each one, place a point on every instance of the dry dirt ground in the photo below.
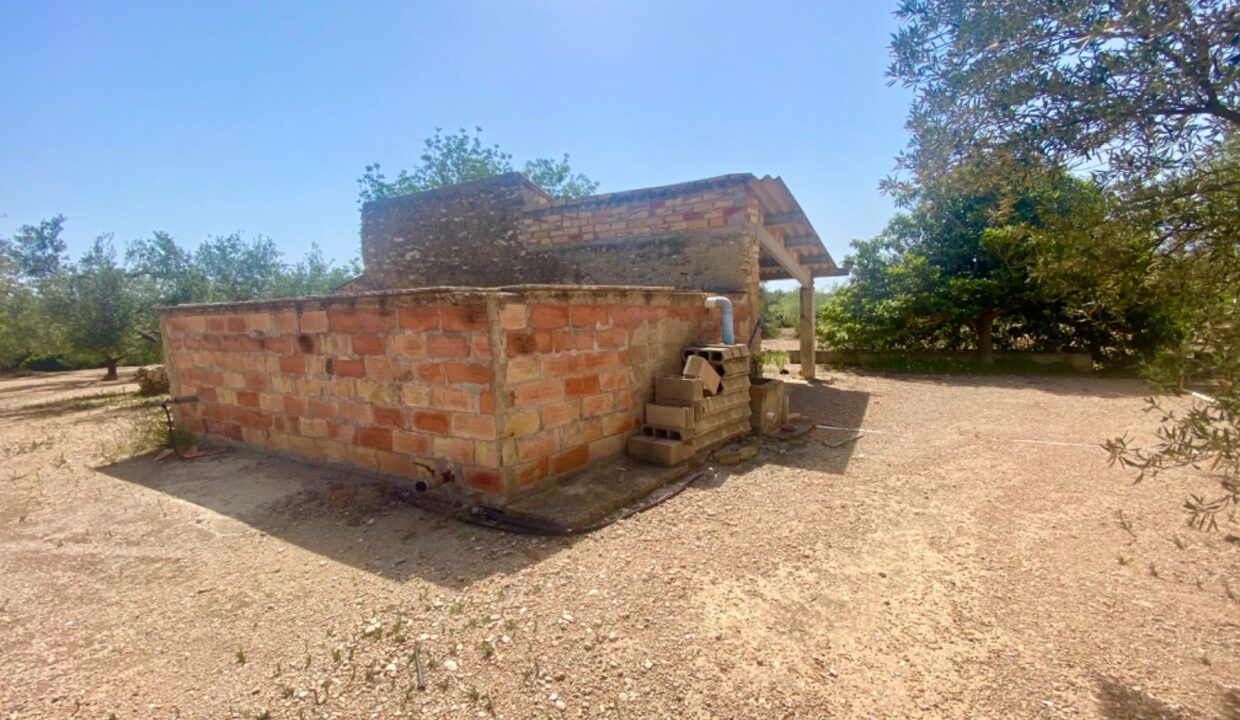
(935, 568)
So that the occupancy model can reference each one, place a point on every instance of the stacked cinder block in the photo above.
(707, 404)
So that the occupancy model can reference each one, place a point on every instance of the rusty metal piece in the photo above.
(417, 665)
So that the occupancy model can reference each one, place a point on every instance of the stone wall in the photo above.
(503, 231)
(494, 390)
(465, 235)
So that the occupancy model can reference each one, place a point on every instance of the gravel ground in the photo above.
(943, 566)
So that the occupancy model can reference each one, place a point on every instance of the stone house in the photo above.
(498, 338)
(722, 235)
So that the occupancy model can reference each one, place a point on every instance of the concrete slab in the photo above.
(604, 489)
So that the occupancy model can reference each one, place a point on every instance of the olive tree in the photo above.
(1144, 96)
(448, 159)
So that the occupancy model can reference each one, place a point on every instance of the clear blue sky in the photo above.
(202, 118)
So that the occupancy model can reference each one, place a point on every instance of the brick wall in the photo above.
(654, 211)
(496, 390)
(577, 369)
(381, 383)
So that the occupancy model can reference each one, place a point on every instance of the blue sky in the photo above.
(205, 118)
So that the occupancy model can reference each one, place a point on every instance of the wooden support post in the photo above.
(808, 339)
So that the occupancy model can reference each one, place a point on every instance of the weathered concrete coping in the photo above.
(627, 197)
(581, 294)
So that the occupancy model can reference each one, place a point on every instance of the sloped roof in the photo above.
(783, 216)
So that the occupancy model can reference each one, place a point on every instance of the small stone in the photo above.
(450, 665)
(735, 457)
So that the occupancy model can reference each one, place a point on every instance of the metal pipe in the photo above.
(429, 477)
(426, 483)
(725, 306)
(417, 665)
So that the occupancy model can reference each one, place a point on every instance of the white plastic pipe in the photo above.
(726, 320)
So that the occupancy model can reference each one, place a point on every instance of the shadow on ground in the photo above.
(821, 404)
(1117, 701)
(345, 517)
(117, 399)
(1056, 384)
(34, 384)
(824, 405)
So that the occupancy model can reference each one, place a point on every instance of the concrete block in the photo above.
(738, 428)
(698, 367)
(672, 416)
(766, 404)
(712, 406)
(738, 384)
(716, 352)
(677, 390)
(730, 416)
(732, 367)
(659, 451)
(667, 433)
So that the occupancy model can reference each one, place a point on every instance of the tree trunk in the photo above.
(112, 368)
(985, 326)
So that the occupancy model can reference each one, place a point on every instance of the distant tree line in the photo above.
(101, 309)
(781, 309)
(1033, 259)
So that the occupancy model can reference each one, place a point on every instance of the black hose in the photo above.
(172, 435)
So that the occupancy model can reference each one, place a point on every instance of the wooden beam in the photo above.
(792, 218)
(807, 332)
(806, 260)
(802, 241)
(783, 256)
